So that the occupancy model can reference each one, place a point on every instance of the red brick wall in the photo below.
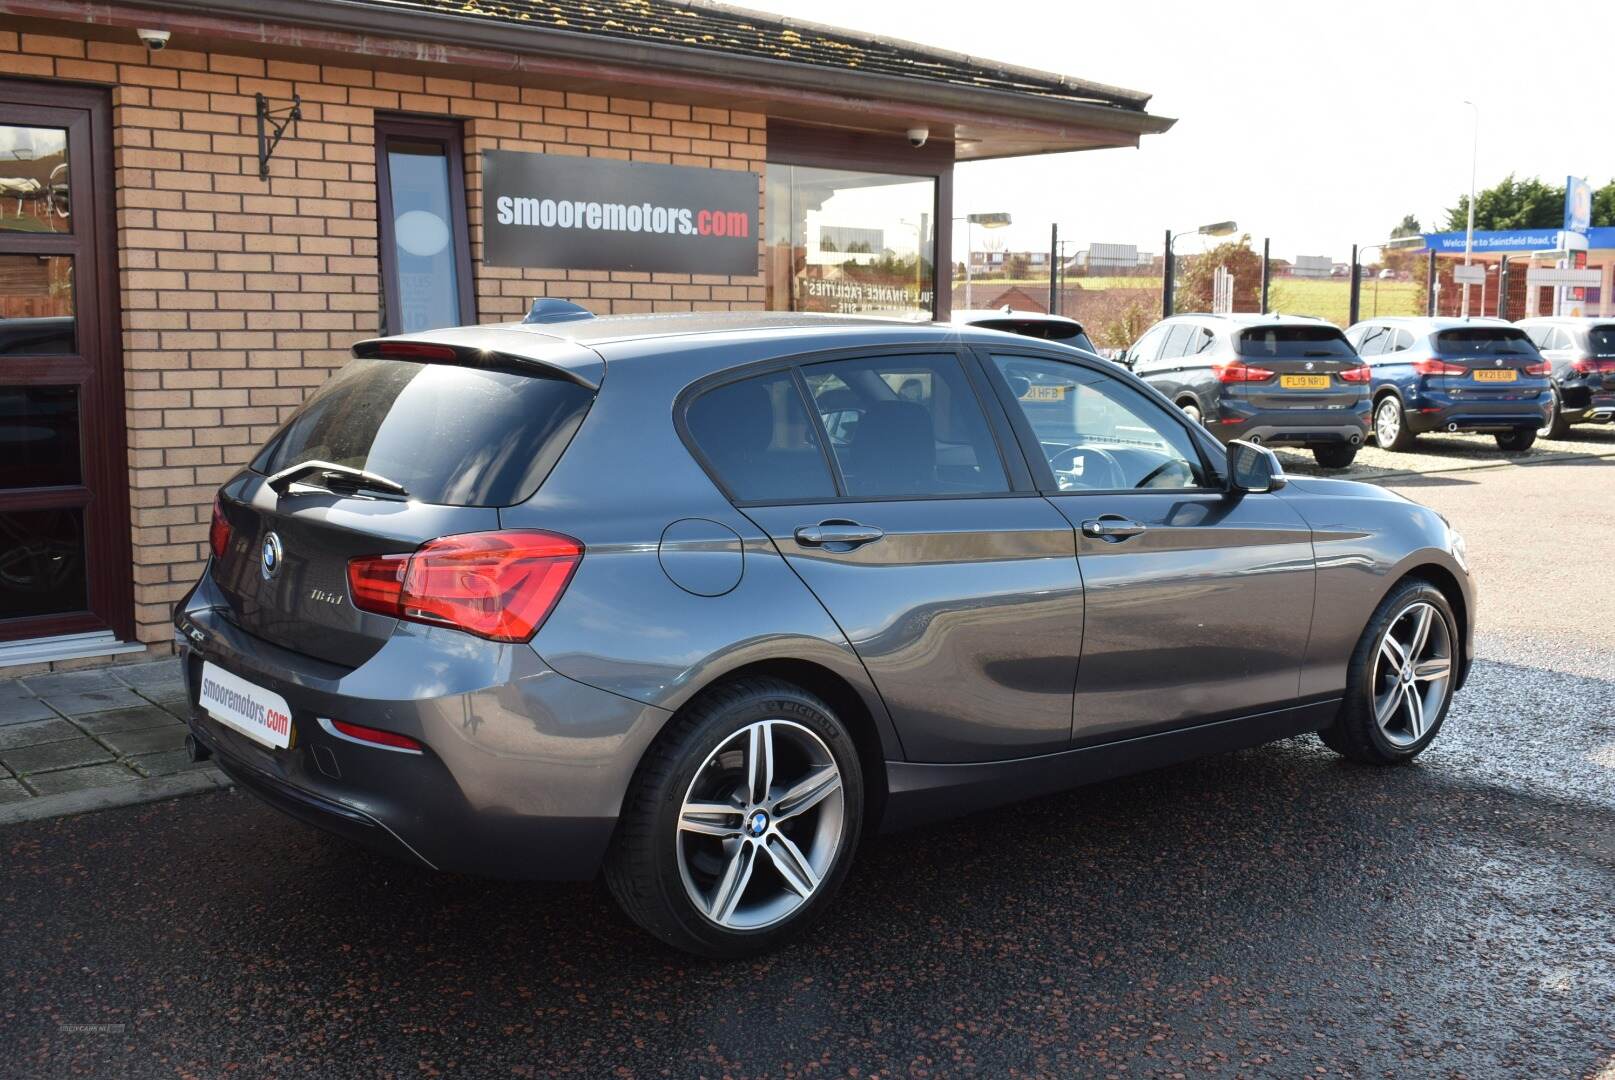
(240, 295)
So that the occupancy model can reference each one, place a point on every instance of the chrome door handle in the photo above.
(837, 532)
(1112, 528)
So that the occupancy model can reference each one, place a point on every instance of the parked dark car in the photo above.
(698, 600)
(1447, 374)
(1274, 379)
(1037, 324)
(1582, 353)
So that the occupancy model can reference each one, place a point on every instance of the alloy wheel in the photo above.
(1192, 411)
(1412, 673)
(1387, 422)
(1546, 430)
(761, 824)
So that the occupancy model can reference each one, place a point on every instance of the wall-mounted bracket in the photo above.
(272, 125)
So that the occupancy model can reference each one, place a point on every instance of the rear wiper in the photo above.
(341, 479)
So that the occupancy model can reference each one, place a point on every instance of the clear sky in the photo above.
(1314, 124)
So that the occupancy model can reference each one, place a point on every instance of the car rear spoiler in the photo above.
(495, 347)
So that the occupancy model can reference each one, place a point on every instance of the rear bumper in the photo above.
(1583, 405)
(1433, 411)
(1292, 427)
(523, 771)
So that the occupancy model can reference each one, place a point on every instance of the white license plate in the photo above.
(261, 715)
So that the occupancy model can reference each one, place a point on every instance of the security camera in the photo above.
(156, 40)
(917, 136)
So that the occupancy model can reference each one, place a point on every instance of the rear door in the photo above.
(459, 442)
(1198, 604)
(954, 582)
(1304, 366)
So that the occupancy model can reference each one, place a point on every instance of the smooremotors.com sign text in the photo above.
(594, 214)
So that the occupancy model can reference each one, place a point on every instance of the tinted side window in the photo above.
(1098, 433)
(1539, 335)
(1177, 341)
(905, 425)
(1403, 340)
(1144, 351)
(1557, 339)
(758, 438)
(1373, 342)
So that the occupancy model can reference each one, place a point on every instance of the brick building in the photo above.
(169, 293)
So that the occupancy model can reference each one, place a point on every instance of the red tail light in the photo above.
(1359, 374)
(1541, 367)
(1438, 367)
(499, 585)
(1236, 371)
(218, 533)
(1588, 365)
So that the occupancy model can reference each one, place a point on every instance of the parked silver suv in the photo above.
(698, 600)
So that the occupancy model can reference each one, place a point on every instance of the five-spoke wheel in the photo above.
(1412, 670)
(742, 821)
(762, 821)
(1401, 677)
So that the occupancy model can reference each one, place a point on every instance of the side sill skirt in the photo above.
(921, 793)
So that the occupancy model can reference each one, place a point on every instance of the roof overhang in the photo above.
(983, 123)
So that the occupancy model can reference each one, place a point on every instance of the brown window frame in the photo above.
(834, 148)
(449, 134)
(96, 367)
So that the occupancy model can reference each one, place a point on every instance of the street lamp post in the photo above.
(986, 221)
(1219, 228)
(1469, 228)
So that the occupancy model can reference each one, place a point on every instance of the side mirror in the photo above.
(1253, 469)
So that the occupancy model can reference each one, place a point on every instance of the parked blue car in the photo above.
(1433, 374)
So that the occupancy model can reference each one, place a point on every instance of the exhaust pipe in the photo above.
(1452, 427)
(1356, 440)
(1254, 439)
(195, 750)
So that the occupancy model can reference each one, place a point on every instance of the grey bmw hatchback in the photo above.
(697, 601)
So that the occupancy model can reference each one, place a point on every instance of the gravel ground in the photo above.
(1435, 453)
(1273, 912)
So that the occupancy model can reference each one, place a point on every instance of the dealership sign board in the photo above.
(595, 214)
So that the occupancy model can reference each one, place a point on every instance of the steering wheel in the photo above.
(1115, 478)
(1162, 468)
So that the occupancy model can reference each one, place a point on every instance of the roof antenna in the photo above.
(549, 309)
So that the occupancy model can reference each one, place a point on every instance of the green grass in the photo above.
(1327, 298)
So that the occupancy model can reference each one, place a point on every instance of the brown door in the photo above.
(64, 499)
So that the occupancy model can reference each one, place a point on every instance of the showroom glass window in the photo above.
(425, 254)
(851, 242)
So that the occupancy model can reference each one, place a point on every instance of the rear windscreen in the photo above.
(454, 436)
(1601, 340)
(1484, 341)
(1294, 343)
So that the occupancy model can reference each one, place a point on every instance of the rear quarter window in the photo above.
(759, 442)
(451, 435)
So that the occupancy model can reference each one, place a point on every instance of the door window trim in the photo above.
(450, 134)
(1019, 480)
(1031, 447)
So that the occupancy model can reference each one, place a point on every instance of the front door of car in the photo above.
(1198, 603)
(952, 579)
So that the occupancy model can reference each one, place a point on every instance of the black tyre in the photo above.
(1518, 439)
(742, 821)
(1391, 425)
(1335, 455)
(1557, 426)
(1400, 680)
